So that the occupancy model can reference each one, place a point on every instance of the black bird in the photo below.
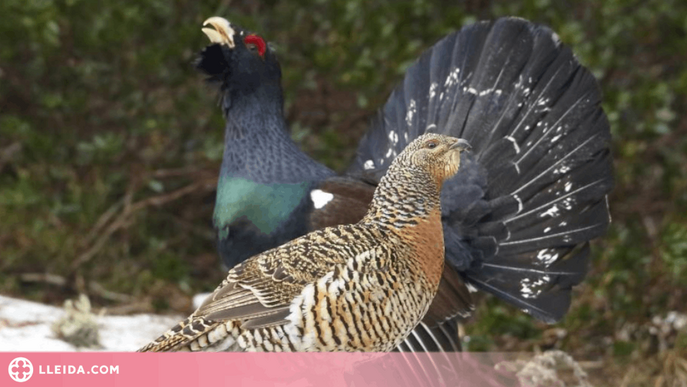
(518, 216)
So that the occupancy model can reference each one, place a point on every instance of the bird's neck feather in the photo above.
(264, 175)
(258, 146)
(403, 197)
(407, 203)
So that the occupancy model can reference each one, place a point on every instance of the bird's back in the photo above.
(347, 288)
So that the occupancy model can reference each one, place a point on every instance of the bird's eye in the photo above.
(431, 144)
(256, 44)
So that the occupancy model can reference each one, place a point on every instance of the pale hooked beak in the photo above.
(461, 145)
(222, 34)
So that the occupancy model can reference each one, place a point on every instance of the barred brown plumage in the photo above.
(360, 287)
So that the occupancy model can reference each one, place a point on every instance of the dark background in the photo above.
(110, 145)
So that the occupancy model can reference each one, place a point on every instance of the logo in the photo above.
(20, 369)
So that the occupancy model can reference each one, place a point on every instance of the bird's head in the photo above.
(237, 59)
(435, 154)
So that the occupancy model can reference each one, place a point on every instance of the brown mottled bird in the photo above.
(360, 287)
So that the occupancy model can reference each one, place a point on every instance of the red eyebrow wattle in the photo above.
(258, 42)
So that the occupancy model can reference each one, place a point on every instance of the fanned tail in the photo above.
(520, 212)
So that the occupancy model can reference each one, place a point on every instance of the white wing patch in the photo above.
(320, 198)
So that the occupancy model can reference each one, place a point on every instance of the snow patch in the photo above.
(25, 326)
(199, 298)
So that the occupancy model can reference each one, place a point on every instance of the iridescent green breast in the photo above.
(265, 205)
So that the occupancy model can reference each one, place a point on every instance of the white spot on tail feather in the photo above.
(569, 203)
(482, 93)
(412, 108)
(369, 164)
(562, 170)
(519, 203)
(552, 212)
(547, 256)
(515, 144)
(532, 289)
(393, 137)
(452, 78)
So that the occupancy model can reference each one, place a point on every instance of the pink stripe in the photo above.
(254, 369)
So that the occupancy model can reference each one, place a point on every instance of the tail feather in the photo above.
(442, 338)
(543, 292)
(437, 338)
(519, 214)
